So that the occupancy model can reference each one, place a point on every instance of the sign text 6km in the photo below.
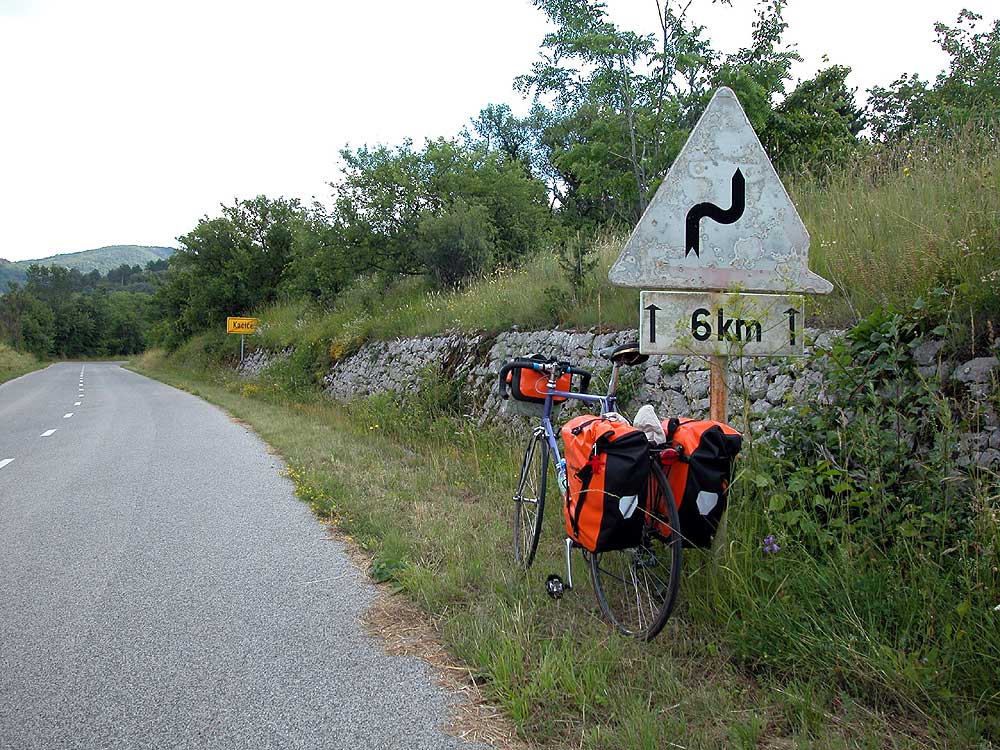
(713, 323)
(241, 325)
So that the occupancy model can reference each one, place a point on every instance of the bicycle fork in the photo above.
(554, 585)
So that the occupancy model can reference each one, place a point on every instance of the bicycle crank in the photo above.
(555, 587)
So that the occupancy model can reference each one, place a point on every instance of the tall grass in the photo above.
(887, 227)
(893, 224)
(887, 644)
(14, 364)
(534, 295)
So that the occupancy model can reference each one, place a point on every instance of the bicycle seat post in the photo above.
(613, 385)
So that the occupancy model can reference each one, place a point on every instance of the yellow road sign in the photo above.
(241, 325)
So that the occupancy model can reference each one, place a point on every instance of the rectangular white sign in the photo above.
(716, 323)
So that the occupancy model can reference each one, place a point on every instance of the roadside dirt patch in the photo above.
(405, 630)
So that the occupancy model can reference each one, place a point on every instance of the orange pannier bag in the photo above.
(607, 464)
(530, 385)
(700, 478)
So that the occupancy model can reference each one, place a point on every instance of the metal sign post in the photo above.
(242, 326)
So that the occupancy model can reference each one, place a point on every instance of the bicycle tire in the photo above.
(636, 587)
(529, 500)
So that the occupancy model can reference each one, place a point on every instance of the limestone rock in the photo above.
(927, 353)
(978, 370)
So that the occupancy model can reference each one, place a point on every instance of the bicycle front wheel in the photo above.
(636, 587)
(529, 500)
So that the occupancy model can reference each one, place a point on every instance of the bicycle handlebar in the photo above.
(565, 369)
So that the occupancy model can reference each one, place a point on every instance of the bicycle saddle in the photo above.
(626, 354)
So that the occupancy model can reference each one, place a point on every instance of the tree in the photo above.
(128, 319)
(387, 195)
(456, 245)
(80, 322)
(757, 74)
(817, 125)
(54, 284)
(26, 323)
(379, 201)
(501, 131)
(319, 268)
(620, 104)
(227, 265)
(968, 90)
(588, 71)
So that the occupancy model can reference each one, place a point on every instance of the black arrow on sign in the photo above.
(652, 322)
(716, 214)
(791, 312)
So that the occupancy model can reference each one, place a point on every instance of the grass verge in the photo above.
(14, 364)
(426, 495)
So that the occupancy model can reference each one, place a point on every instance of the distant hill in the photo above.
(102, 259)
(10, 272)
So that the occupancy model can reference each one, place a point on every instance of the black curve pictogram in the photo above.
(713, 212)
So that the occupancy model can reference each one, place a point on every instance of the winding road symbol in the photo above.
(711, 211)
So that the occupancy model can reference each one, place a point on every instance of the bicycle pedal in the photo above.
(554, 586)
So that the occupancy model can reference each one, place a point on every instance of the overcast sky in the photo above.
(125, 121)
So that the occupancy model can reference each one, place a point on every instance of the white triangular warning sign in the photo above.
(721, 220)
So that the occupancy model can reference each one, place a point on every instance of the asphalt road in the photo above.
(161, 587)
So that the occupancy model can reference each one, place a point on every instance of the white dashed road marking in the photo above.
(68, 415)
(5, 461)
(47, 433)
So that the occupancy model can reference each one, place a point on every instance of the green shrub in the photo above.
(457, 245)
(880, 571)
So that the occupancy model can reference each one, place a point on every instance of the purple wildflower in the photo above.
(770, 545)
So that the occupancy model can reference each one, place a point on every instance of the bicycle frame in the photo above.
(608, 403)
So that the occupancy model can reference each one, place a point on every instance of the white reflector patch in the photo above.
(627, 505)
(707, 501)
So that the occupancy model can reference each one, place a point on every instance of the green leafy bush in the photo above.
(862, 549)
(872, 459)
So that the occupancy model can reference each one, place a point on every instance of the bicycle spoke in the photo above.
(636, 587)
(529, 500)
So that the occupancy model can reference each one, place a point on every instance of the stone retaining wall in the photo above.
(673, 385)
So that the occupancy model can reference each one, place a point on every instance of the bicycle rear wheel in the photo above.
(529, 500)
(636, 587)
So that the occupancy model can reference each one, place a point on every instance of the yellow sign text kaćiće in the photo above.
(241, 325)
